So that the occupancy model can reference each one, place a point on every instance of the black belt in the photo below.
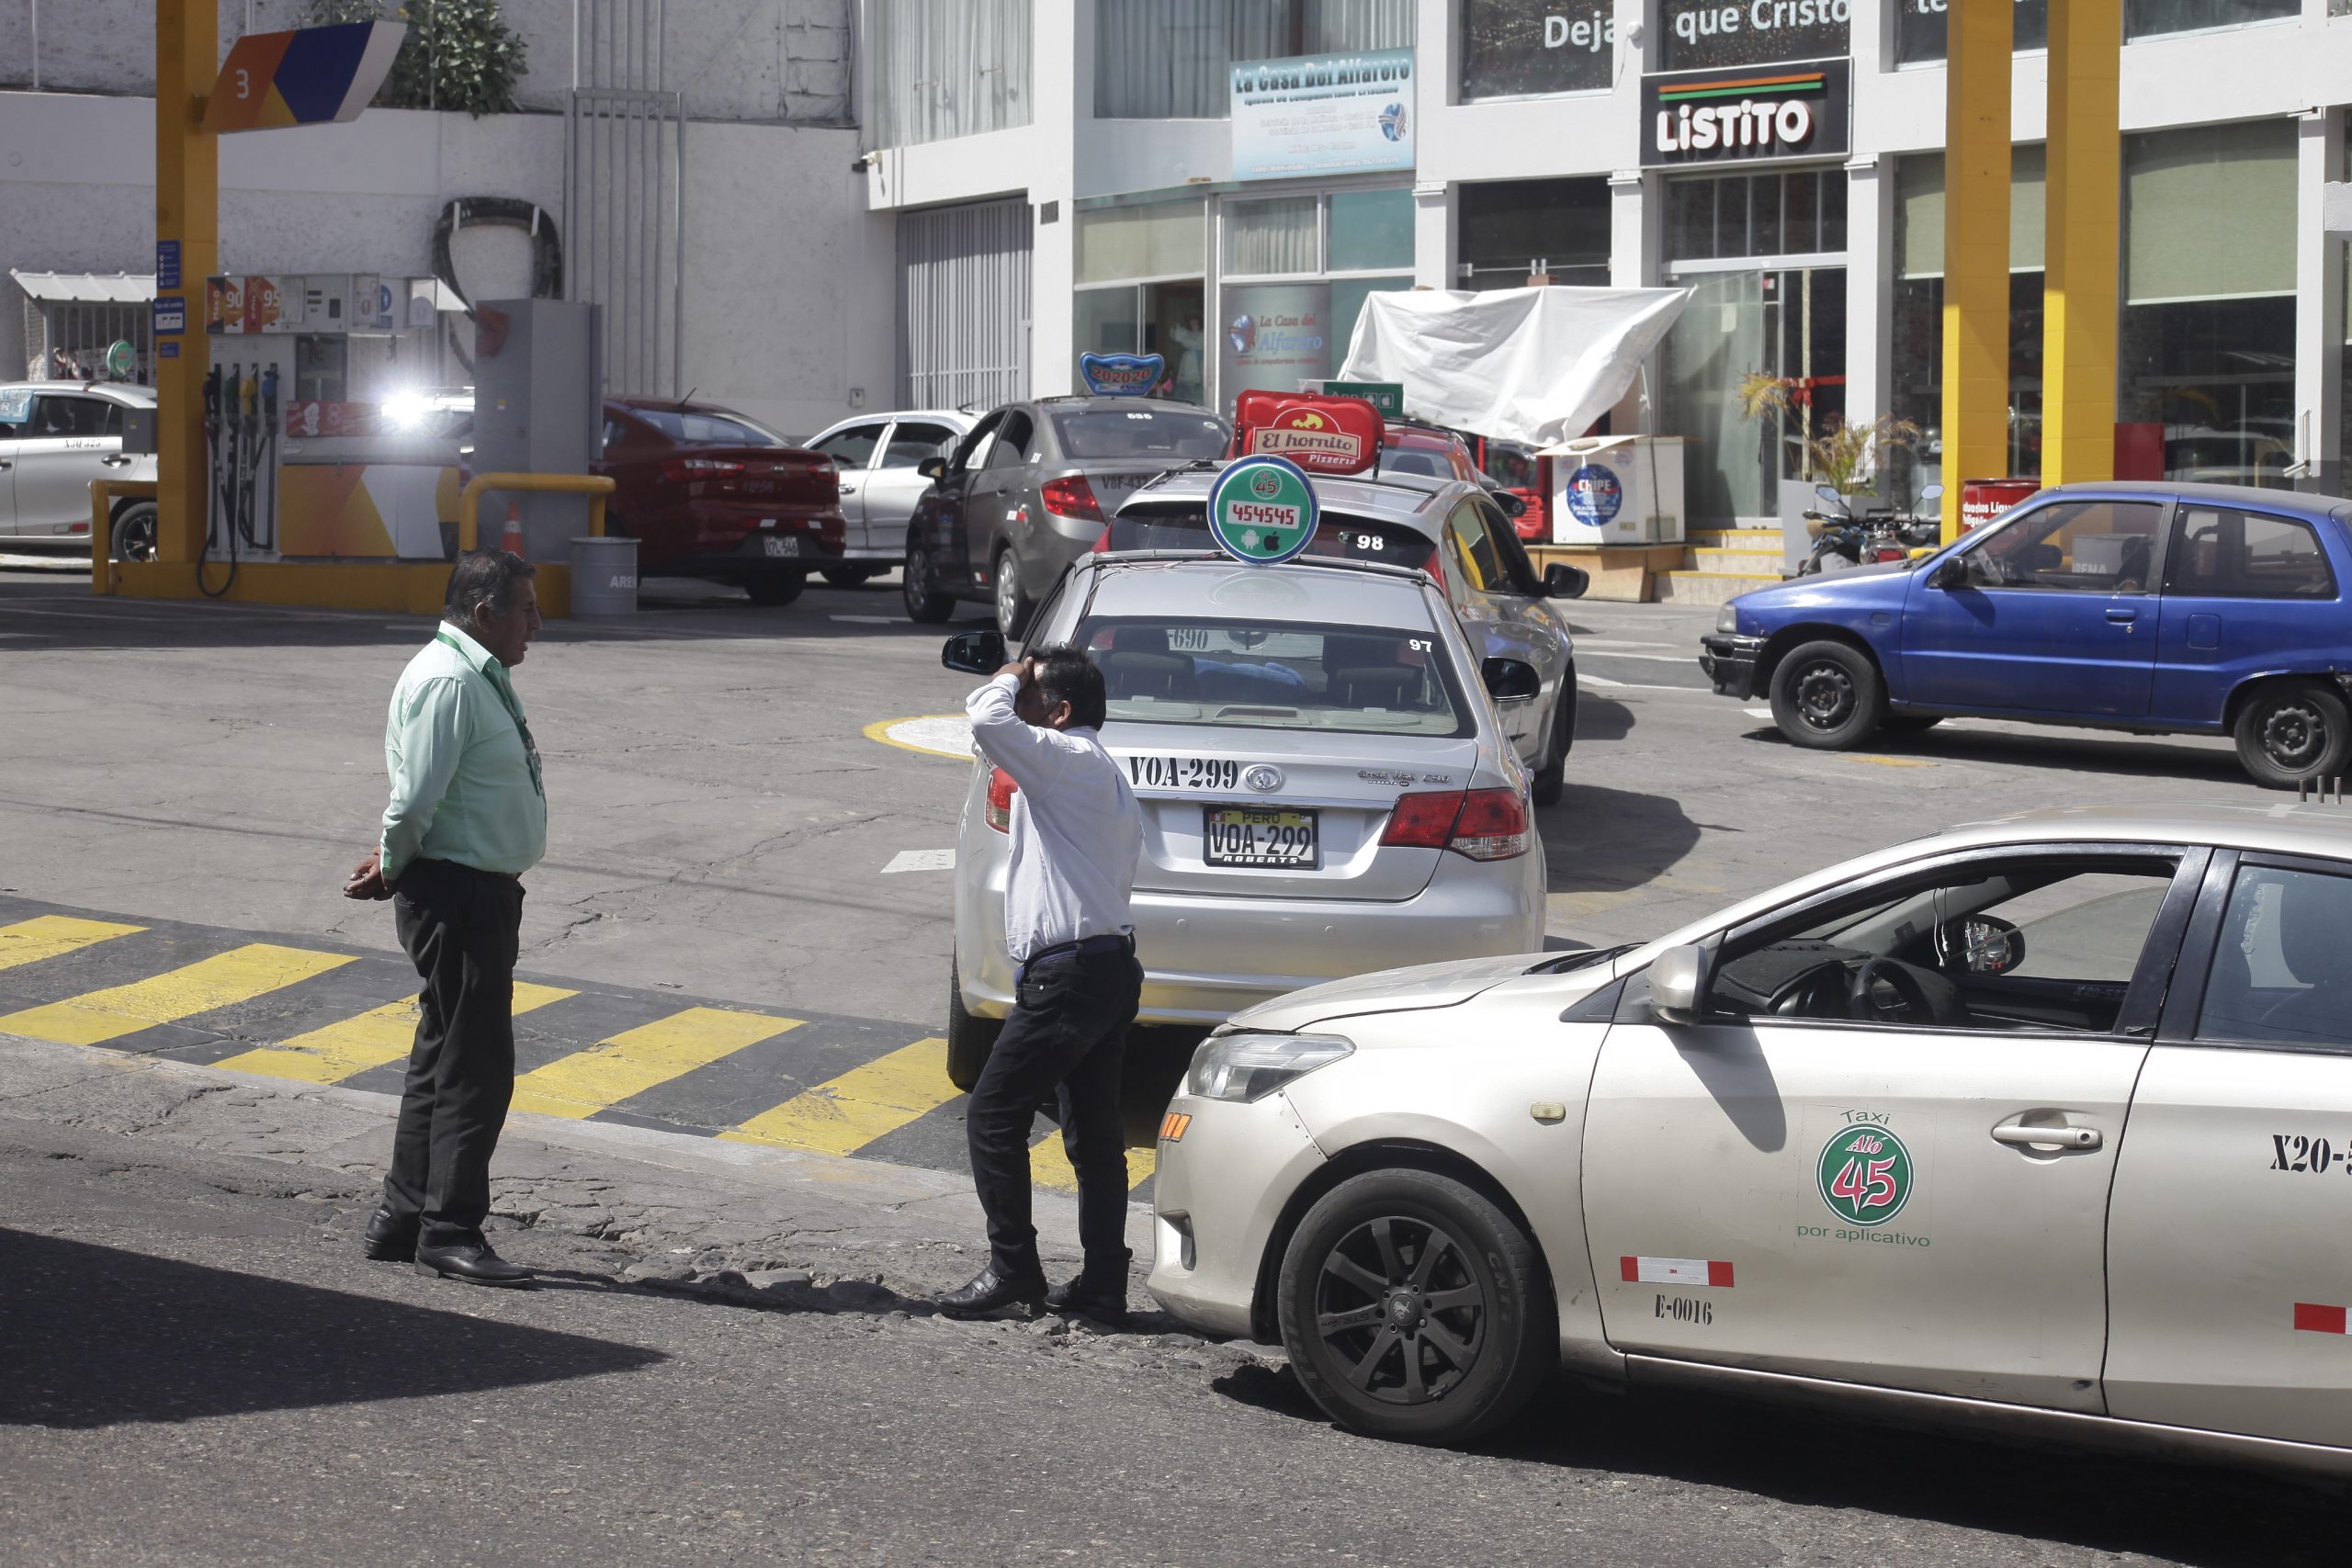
(1084, 947)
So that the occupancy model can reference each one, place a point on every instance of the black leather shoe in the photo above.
(472, 1262)
(989, 1290)
(1098, 1293)
(391, 1240)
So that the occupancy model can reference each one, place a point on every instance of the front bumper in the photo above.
(1730, 662)
(1218, 1193)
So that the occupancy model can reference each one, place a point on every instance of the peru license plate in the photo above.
(780, 544)
(1261, 835)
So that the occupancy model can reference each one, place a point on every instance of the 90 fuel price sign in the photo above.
(1262, 511)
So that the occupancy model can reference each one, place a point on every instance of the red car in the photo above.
(708, 493)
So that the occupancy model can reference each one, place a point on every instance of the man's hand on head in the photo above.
(1018, 669)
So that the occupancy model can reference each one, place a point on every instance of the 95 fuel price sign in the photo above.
(1263, 509)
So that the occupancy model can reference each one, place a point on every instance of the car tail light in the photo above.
(1493, 825)
(1073, 497)
(1484, 824)
(1001, 793)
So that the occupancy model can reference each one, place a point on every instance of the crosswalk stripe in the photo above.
(219, 981)
(52, 936)
(1049, 1164)
(845, 1114)
(630, 1063)
(351, 1047)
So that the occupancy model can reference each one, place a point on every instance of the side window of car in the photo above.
(2079, 547)
(2218, 552)
(70, 417)
(612, 436)
(912, 440)
(1517, 573)
(851, 448)
(973, 452)
(2001, 944)
(114, 420)
(2278, 973)
(1476, 545)
(1012, 441)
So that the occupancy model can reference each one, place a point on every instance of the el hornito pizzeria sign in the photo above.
(1799, 109)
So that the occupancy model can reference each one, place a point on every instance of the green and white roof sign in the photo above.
(1263, 509)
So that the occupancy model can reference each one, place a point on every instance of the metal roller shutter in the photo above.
(964, 305)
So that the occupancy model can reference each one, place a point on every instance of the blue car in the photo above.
(2153, 608)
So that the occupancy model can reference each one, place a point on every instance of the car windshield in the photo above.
(1276, 675)
(1175, 434)
(1181, 526)
(701, 427)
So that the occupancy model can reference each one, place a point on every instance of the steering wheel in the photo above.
(1863, 1004)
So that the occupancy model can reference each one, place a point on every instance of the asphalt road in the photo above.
(201, 1370)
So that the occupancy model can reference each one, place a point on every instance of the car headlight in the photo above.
(1243, 1068)
(1727, 618)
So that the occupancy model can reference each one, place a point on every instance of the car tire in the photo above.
(1013, 606)
(1827, 695)
(776, 587)
(133, 537)
(924, 602)
(971, 1037)
(2293, 731)
(850, 576)
(1552, 779)
(1346, 1344)
(1910, 723)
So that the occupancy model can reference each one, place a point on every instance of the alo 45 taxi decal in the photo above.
(1865, 1175)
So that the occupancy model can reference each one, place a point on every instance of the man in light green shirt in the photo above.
(468, 817)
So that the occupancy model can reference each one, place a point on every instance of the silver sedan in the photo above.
(2035, 1125)
(1325, 784)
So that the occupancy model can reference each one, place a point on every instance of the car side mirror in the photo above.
(932, 468)
(1679, 980)
(1511, 679)
(1562, 580)
(976, 653)
(1513, 506)
(1951, 573)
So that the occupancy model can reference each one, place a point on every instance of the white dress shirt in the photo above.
(1077, 832)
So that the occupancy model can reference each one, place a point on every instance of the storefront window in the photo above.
(1518, 48)
(1172, 59)
(1512, 230)
(2207, 350)
(1160, 240)
(948, 68)
(1700, 35)
(1154, 258)
(1308, 261)
(1371, 230)
(1920, 28)
(1917, 354)
(1784, 320)
(1273, 236)
(2151, 18)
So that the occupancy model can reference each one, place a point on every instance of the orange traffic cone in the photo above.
(512, 539)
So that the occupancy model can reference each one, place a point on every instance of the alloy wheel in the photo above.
(1008, 593)
(1825, 695)
(1401, 1311)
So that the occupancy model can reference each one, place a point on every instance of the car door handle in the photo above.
(115, 462)
(849, 489)
(2124, 618)
(2018, 1134)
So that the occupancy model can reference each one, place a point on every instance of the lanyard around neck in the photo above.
(506, 700)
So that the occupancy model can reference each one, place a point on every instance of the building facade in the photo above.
(1133, 175)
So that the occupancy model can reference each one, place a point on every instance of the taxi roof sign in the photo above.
(1322, 433)
(1262, 511)
(1121, 374)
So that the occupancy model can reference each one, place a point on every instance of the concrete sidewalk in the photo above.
(727, 1219)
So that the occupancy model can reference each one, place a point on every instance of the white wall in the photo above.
(789, 301)
(763, 61)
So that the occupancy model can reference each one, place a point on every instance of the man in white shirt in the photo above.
(1076, 836)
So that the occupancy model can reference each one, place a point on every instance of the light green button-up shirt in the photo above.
(465, 775)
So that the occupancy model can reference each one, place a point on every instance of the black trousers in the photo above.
(462, 929)
(1067, 1032)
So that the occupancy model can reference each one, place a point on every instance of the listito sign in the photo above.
(1786, 111)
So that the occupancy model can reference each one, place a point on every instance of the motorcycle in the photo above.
(1842, 541)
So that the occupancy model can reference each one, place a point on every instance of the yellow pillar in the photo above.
(2080, 301)
(1976, 247)
(187, 209)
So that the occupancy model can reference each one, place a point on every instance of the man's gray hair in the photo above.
(483, 577)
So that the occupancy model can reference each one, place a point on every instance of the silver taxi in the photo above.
(2036, 1122)
(55, 437)
(1325, 784)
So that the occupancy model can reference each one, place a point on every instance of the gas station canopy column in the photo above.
(2080, 291)
(1976, 247)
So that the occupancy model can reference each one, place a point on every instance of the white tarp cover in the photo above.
(1532, 365)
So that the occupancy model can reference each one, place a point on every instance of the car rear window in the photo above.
(693, 427)
(1177, 435)
(1179, 526)
(1259, 674)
